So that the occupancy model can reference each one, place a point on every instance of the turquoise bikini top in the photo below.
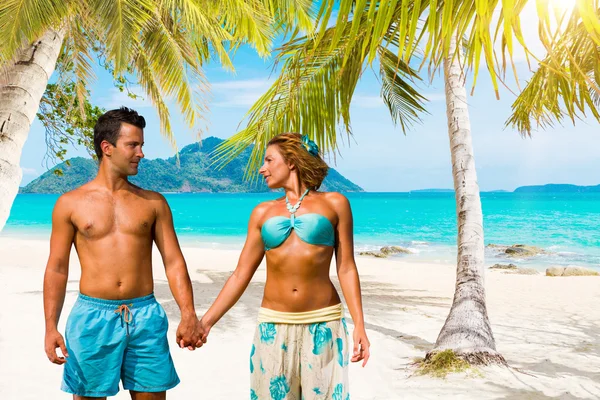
(311, 228)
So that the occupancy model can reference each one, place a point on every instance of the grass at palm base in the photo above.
(443, 363)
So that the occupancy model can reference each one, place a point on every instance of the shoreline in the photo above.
(421, 251)
(546, 327)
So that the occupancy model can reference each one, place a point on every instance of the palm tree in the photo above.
(162, 43)
(314, 89)
(467, 330)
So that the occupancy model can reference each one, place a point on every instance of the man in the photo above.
(116, 330)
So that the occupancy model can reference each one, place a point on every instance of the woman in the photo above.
(300, 347)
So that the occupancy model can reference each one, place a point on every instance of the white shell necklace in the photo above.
(293, 208)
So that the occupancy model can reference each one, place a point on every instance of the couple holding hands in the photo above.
(116, 330)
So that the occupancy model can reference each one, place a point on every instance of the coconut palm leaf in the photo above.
(301, 99)
(164, 43)
(148, 81)
(481, 22)
(76, 54)
(314, 91)
(404, 102)
(566, 85)
(208, 33)
(248, 22)
(175, 67)
(23, 21)
(119, 22)
(291, 14)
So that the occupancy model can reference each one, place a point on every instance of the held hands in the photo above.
(205, 329)
(190, 333)
(361, 346)
(53, 341)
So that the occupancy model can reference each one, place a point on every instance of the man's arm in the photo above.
(348, 276)
(188, 334)
(250, 258)
(55, 278)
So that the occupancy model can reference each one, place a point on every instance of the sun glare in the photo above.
(563, 6)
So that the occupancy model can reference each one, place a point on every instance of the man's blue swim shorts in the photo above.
(113, 340)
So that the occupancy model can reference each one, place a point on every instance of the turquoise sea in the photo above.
(567, 225)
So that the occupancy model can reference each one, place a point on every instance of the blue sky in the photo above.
(379, 157)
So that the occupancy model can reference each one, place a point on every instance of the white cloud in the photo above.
(29, 171)
(367, 101)
(239, 93)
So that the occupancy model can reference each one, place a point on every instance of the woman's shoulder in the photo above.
(261, 208)
(335, 198)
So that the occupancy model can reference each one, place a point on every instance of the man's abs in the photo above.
(114, 244)
(116, 269)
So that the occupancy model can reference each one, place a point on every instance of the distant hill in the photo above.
(558, 188)
(550, 188)
(163, 175)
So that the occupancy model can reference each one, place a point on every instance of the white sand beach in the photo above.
(548, 329)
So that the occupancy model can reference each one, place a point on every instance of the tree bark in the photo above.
(467, 330)
(20, 94)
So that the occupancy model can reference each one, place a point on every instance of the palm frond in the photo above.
(148, 81)
(404, 102)
(119, 23)
(313, 93)
(292, 14)
(174, 64)
(566, 85)
(79, 43)
(248, 21)
(23, 21)
(474, 20)
(204, 29)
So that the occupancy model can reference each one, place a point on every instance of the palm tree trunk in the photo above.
(20, 92)
(467, 329)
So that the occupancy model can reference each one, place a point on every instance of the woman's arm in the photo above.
(348, 275)
(252, 254)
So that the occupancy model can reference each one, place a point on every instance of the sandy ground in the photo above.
(548, 329)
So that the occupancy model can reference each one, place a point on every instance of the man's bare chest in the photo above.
(97, 219)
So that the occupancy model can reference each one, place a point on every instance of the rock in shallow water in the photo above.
(513, 269)
(522, 250)
(517, 250)
(571, 271)
(504, 266)
(394, 250)
(386, 251)
(373, 254)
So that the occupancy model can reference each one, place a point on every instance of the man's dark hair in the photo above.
(108, 126)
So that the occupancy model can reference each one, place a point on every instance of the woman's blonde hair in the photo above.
(311, 168)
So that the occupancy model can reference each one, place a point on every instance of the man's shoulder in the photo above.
(74, 195)
(151, 195)
(146, 194)
(69, 202)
